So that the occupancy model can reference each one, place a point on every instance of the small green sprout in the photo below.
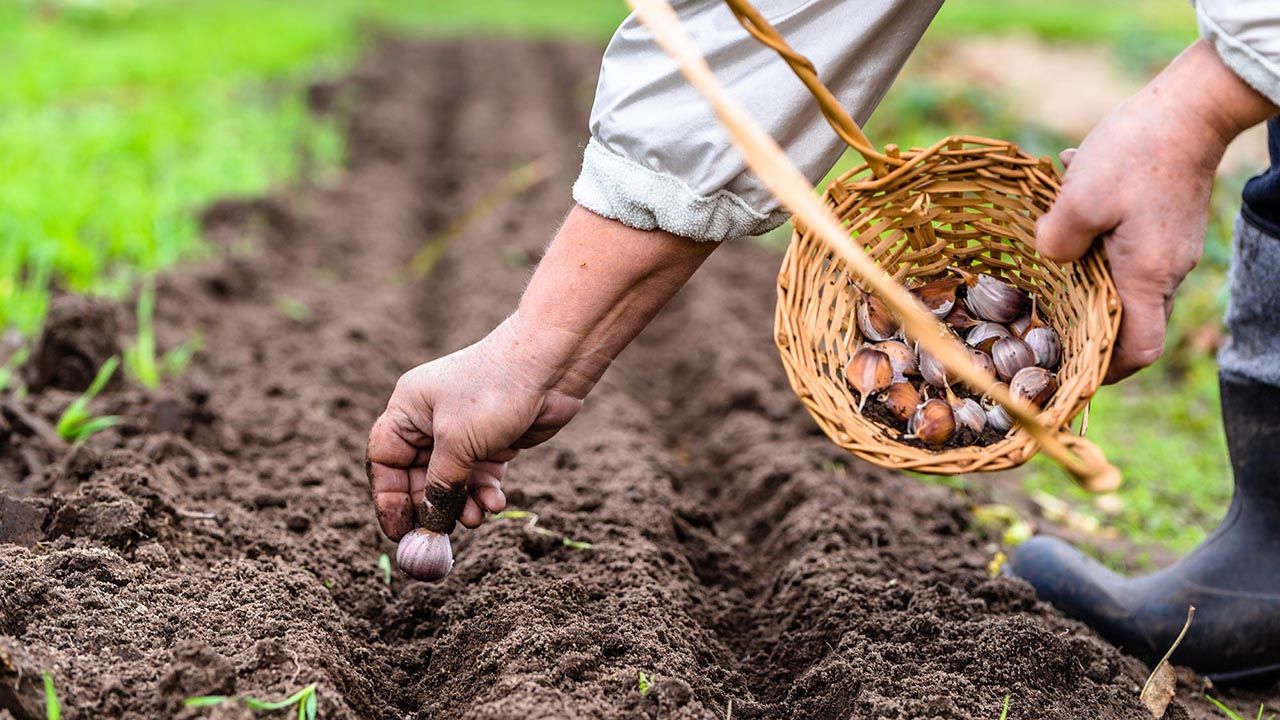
(645, 682)
(304, 699)
(384, 564)
(1004, 711)
(52, 708)
(9, 370)
(140, 359)
(294, 309)
(76, 423)
(1232, 714)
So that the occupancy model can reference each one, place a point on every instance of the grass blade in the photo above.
(52, 708)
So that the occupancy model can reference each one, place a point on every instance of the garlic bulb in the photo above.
(875, 321)
(1045, 346)
(1011, 355)
(425, 555)
(995, 300)
(1034, 385)
(902, 357)
(998, 418)
(901, 399)
(933, 423)
(983, 362)
(869, 371)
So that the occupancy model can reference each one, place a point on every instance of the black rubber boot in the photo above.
(1233, 578)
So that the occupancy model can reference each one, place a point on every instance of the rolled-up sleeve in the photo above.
(1246, 34)
(659, 159)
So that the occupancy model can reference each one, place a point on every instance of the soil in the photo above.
(220, 539)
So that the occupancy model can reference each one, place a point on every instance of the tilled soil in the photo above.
(220, 539)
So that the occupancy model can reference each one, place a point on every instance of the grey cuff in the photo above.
(1259, 71)
(621, 189)
(1253, 312)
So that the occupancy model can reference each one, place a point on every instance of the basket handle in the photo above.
(835, 113)
(1079, 456)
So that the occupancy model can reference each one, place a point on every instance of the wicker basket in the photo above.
(965, 202)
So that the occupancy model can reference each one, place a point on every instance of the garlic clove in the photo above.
(959, 319)
(985, 334)
(1033, 384)
(969, 414)
(932, 423)
(425, 555)
(995, 300)
(1011, 355)
(939, 296)
(875, 321)
(931, 368)
(901, 356)
(901, 400)
(998, 418)
(983, 362)
(1045, 346)
(869, 371)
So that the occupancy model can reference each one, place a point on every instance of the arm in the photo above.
(1141, 182)
(460, 418)
(658, 169)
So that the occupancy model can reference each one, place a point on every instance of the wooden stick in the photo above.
(786, 182)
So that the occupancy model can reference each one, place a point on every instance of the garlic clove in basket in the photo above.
(969, 413)
(902, 357)
(933, 423)
(985, 334)
(983, 362)
(1033, 384)
(938, 296)
(1045, 345)
(1011, 355)
(931, 369)
(901, 400)
(959, 319)
(869, 371)
(995, 300)
(875, 321)
(998, 418)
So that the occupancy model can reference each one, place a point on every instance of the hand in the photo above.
(1141, 182)
(457, 421)
(460, 419)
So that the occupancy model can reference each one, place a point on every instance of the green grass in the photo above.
(120, 119)
(52, 706)
(1232, 714)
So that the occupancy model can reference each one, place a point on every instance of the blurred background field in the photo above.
(120, 119)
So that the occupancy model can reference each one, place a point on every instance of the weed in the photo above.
(304, 700)
(76, 423)
(52, 708)
(1232, 714)
(140, 359)
(384, 564)
(645, 682)
(1004, 711)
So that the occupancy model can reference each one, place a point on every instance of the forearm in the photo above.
(1200, 89)
(597, 287)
